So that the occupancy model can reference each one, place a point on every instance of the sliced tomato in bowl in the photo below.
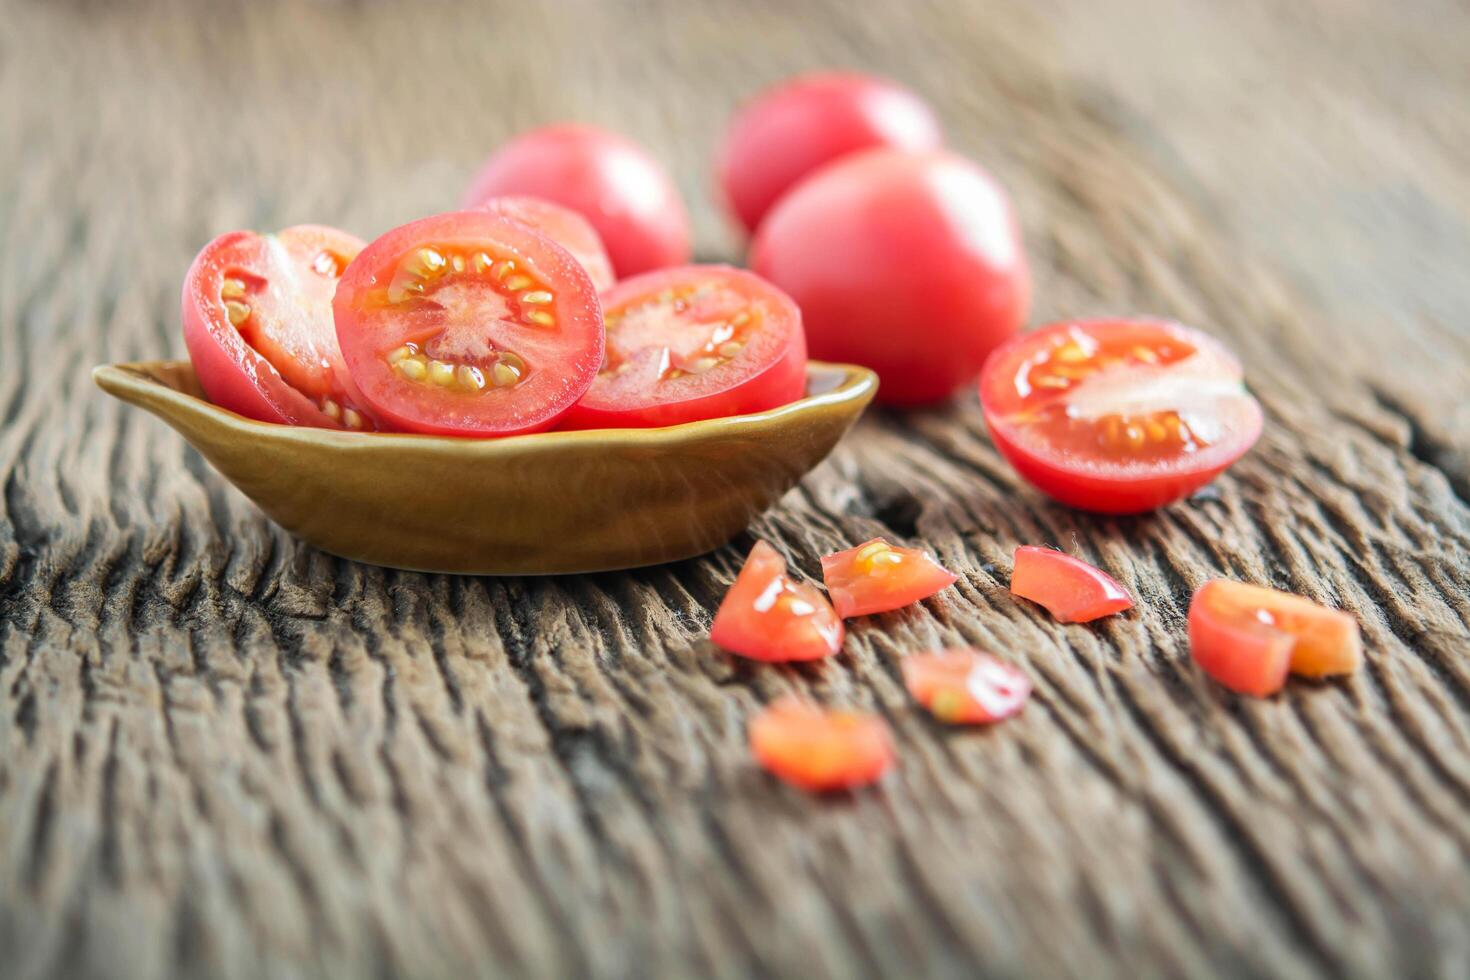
(1069, 588)
(821, 749)
(562, 225)
(878, 577)
(768, 615)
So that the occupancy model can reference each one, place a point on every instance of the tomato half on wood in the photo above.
(696, 342)
(767, 615)
(562, 225)
(257, 315)
(1118, 416)
(877, 577)
(469, 323)
(1069, 588)
(821, 749)
(965, 686)
(1249, 637)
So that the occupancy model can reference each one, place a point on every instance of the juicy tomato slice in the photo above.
(965, 686)
(1070, 589)
(469, 323)
(877, 577)
(1118, 416)
(257, 315)
(768, 616)
(697, 342)
(1248, 637)
(562, 225)
(821, 750)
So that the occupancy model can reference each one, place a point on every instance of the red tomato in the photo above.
(908, 263)
(876, 577)
(696, 342)
(604, 177)
(769, 616)
(794, 128)
(565, 227)
(821, 750)
(468, 323)
(965, 686)
(1070, 589)
(257, 314)
(1118, 416)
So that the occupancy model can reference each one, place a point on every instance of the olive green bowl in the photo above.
(524, 505)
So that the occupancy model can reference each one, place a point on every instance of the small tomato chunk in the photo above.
(819, 749)
(877, 577)
(769, 616)
(1070, 589)
(964, 686)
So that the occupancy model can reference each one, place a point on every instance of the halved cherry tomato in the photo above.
(1070, 589)
(697, 342)
(469, 323)
(769, 616)
(965, 686)
(1118, 416)
(607, 179)
(257, 314)
(821, 750)
(794, 128)
(1248, 637)
(877, 577)
(562, 225)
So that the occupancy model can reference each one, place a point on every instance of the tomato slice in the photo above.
(1070, 589)
(562, 225)
(469, 323)
(1248, 637)
(821, 750)
(769, 616)
(1118, 416)
(697, 342)
(877, 577)
(965, 686)
(257, 315)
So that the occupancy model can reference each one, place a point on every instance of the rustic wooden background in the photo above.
(223, 753)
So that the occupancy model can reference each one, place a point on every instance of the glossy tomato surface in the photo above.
(696, 342)
(469, 323)
(1069, 588)
(878, 577)
(965, 686)
(257, 316)
(910, 264)
(1241, 635)
(562, 225)
(767, 615)
(820, 749)
(1118, 416)
(794, 128)
(608, 179)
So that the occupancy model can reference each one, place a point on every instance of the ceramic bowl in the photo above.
(539, 504)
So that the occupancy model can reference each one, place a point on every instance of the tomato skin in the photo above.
(795, 128)
(965, 686)
(608, 179)
(1069, 588)
(562, 225)
(877, 577)
(1235, 627)
(910, 264)
(768, 616)
(821, 750)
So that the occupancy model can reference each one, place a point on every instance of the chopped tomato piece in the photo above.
(876, 577)
(1070, 589)
(769, 616)
(1248, 637)
(819, 749)
(965, 686)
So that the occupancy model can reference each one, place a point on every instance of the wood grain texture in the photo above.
(225, 754)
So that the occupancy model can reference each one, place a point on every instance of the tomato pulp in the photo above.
(562, 225)
(819, 749)
(1069, 588)
(965, 686)
(769, 616)
(469, 323)
(1118, 416)
(696, 342)
(877, 577)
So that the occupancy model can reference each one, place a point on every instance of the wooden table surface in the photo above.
(223, 753)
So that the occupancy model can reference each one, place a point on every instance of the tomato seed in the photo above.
(237, 312)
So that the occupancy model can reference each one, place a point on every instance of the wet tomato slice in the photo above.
(696, 342)
(964, 686)
(562, 225)
(769, 616)
(820, 749)
(1069, 588)
(877, 577)
(1249, 637)
(469, 323)
(257, 315)
(1118, 416)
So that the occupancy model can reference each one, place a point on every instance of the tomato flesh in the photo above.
(877, 577)
(821, 750)
(1118, 416)
(964, 686)
(562, 225)
(769, 616)
(697, 342)
(1069, 588)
